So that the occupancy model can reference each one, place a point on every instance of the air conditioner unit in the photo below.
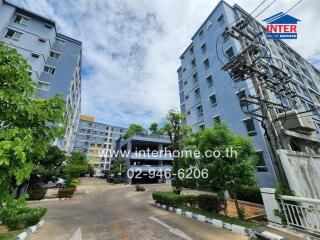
(296, 121)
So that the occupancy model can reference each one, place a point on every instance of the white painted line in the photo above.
(174, 231)
(76, 235)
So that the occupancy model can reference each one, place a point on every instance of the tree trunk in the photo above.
(176, 168)
(239, 210)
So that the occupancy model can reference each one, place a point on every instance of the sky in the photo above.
(131, 48)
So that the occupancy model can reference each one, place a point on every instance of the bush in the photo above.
(210, 203)
(189, 183)
(249, 194)
(66, 192)
(72, 182)
(24, 217)
(168, 198)
(140, 188)
(190, 200)
(36, 193)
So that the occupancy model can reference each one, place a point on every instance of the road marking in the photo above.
(120, 232)
(76, 235)
(174, 231)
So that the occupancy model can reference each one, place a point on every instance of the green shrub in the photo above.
(36, 193)
(210, 203)
(140, 188)
(189, 183)
(66, 192)
(249, 194)
(24, 217)
(176, 191)
(167, 198)
(191, 200)
(72, 182)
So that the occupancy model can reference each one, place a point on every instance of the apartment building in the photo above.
(208, 94)
(97, 140)
(55, 60)
(145, 158)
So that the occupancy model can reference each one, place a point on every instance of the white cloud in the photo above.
(131, 48)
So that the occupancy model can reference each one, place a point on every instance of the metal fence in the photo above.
(302, 213)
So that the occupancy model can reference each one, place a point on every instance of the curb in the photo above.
(29, 231)
(220, 224)
(55, 199)
(215, 222)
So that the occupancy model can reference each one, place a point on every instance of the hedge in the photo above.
(191, 200)
(210, 203)
(66, 192)
(24, 218)
(36, 193)
(168, 198)
(249, 194)
(72, 182)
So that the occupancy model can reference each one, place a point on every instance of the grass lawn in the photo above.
(10, 235)
(232, 220)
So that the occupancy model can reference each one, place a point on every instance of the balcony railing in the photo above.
(302, 213)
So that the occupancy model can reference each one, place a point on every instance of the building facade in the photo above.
(145, 159)
(55, 60)
(97, 141)
(208, 94)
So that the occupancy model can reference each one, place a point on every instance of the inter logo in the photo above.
(281, 26)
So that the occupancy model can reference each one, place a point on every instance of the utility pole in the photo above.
(272, 88)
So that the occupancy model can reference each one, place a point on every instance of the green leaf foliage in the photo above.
(27, 123)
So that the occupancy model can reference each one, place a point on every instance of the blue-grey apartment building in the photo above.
(208, 94)
(55, 60)
(97, 140)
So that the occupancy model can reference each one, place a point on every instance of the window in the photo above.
(35, 55)
(19, 19)
(209, 81)
(305, 92)
(12, 34)
(43, 86)
(249, 124)
(55, 55)
(213, 100)
(261, 166)
(188, 112)
(193, 63)
(43, 40)
(241, 95)
(187, 97)
(204, 48)
(201, 34)
(184, 69)
(216, 119)
(230, 52)
(200, 111)
(60, 41)
(221, 20)
(49, 69)
(225, 37)
(206, 63)
(185, 82)
(197, 92)
(48, 26)
(191, 50)
(195, 77)
(201, 127)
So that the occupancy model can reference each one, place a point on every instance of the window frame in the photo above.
(13, 37)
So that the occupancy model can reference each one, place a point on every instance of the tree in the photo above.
(49, 167)
(235, 167)
(154, 128)
(27, 123)
(133, 129)
(118, 166)
(76, 165)
(176, 131)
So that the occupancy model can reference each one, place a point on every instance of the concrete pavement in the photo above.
(118, 212)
